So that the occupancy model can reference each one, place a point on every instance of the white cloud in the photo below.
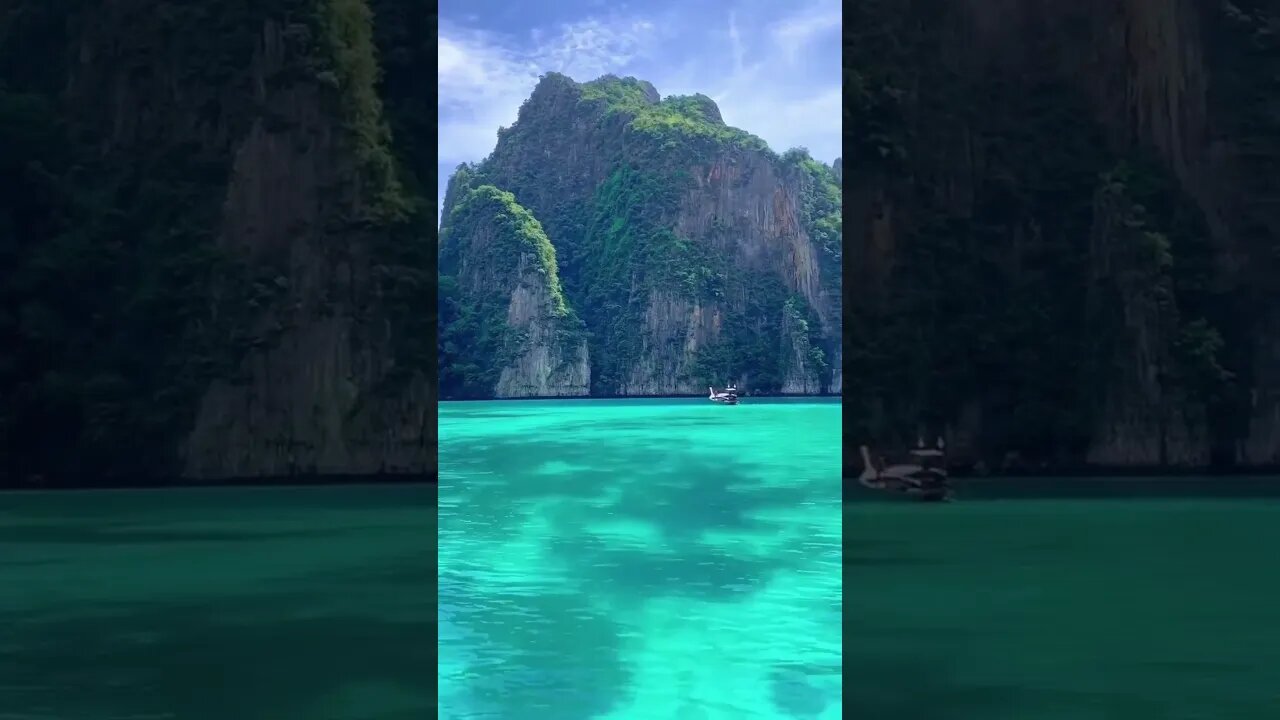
(482, 81)
(813, 121)
(591, 48)
(756, 73)
(797, 31)
(770, 96)
(735, 41)
(481, 87)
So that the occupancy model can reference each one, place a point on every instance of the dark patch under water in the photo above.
(585, 571)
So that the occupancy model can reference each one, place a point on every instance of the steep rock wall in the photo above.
(1145, 420)
(306, 399)
(1166, 93)
(265, 256)
(504, 310)
(680, 250)
(546, 364)
(322, 396)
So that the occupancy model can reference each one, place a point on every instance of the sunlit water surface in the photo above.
(640, 560)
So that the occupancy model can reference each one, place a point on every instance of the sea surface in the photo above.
(218, 604)
(1067, 599)
(640, 560)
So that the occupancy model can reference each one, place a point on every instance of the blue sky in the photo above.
(772, 67)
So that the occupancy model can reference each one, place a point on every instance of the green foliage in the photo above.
(1198, 351)
(614, 242)
(110, 327)
(517, 232)
(877, 77)
(616, 94)
(805, 334)
(1170, 267)
(821, 205)
(750, 343)
(614, 276)
(984, 296)
(347, 26)
(117, 305)
(689, 124)
(475, 340)
(697, 108)
(473, 336)
(634, 254)
(1001, 292)
(405, 35)
(688, 268)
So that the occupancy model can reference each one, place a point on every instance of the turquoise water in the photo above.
(1067, 599)
(640, 560)
(217, 604)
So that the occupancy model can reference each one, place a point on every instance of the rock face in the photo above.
(506, 286)
(1144, 419)
(692, 253)
(548, 364)
(309, 403)
(1079, 196)
(278, 274)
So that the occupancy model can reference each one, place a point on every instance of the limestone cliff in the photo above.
(1145, 417)
(693, 254)
(502, 300)
(1066, 228)
(270, 251)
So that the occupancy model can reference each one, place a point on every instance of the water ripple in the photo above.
(646, 560)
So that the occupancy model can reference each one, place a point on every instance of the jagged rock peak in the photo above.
(650, 92)
(629, 95)
(553, 82)
(697, 104)
(642, 88)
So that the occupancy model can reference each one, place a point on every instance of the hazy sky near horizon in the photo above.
(773, 68)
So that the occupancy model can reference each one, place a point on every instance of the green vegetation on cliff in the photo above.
(475, 340)
(1019, 258)
(515, 233)
(686, 123)
(348, 30)
(110, 296)
(820, 203)
(120, 299)
(638, 281)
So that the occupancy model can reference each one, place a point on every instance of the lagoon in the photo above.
(1067, 599)
(283, 603)
(649, 559)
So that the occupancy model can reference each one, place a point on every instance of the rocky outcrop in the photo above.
(317, 395)
(747, 207)
(985, 153)
(267, 273)
(508, 317)
(800, 376)
(307, 406)
(1145, 419)
(1262, 445)
(675, 329)
(680, 241)
(551, 360)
